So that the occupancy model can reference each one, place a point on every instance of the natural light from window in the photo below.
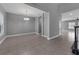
(71, 25)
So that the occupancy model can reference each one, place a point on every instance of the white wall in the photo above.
(3, 15)
(55, 10)
(17, 25)
(46, 24)
(44, 20)
(54, 17)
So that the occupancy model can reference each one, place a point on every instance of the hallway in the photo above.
(36, 45)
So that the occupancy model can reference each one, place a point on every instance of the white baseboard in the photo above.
(44, 36)
(1, 41)
(21, 34)
(50, 38)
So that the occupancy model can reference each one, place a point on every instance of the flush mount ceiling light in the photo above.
(26, 19)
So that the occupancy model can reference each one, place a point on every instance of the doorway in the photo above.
(42, 25)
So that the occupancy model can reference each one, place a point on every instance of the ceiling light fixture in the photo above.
(26, 19)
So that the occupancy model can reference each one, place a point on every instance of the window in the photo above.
(71, 25)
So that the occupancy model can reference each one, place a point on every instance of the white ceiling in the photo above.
(22, 9)
(62, 7)
(71, 15)
(66, 7)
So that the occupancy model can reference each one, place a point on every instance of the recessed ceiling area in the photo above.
(22, 9)
(62, 7)
(71, 15)
(66, 7)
